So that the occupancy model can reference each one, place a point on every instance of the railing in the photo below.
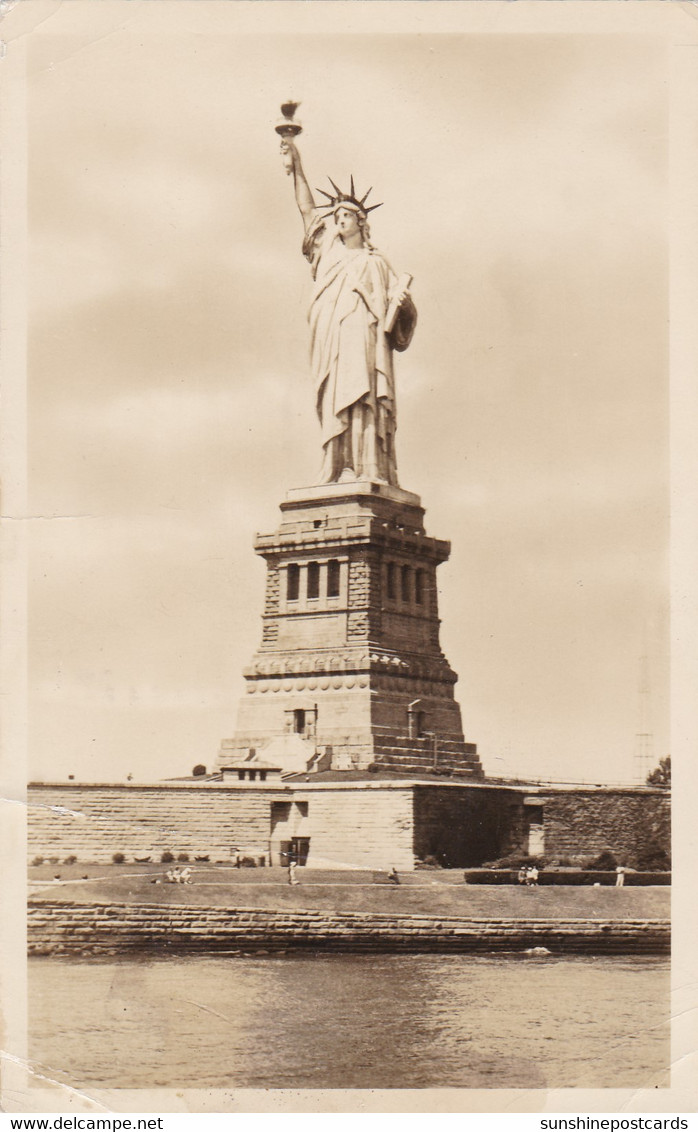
(517, 781)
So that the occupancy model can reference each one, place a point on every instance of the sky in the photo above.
(170, 398)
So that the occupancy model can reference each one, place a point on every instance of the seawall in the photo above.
(56, 928)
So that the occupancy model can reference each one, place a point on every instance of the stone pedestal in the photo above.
(349, 672)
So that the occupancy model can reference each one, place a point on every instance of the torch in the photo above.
(286, 127)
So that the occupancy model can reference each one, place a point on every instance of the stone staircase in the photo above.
(407, 755)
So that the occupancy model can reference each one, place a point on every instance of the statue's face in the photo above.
(347, 222)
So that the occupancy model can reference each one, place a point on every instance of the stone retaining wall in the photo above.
(627, 821)
(361, 828)
(94, 822)
(366, 827)
(370, 823)
(105, 929)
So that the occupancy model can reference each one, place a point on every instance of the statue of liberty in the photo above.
(360, 312)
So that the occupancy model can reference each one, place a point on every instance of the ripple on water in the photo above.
(383, 1021)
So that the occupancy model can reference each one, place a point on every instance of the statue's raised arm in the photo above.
(293, 166)
(360, 312)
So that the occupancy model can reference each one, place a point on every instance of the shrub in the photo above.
(653, 858)
(53, 860)
(70, 860)
(38, 861)
(167, 858)
(515, 861)
(248, 863)
(489, 876)
(206, 858)
(373, 768)
(198, 770)
(661, 775)
(605, 861)
(118, 859)
(571, 878)
(428, 863)
(183, 857)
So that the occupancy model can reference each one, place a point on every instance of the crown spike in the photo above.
(351, 198)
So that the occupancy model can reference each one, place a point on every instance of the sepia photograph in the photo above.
(340, 354)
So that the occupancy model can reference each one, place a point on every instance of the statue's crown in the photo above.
(348, 200)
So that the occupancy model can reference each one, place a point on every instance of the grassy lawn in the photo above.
(437, 893)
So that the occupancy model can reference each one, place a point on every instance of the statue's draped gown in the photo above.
(351, 355)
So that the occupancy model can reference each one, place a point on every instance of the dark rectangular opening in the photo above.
(390, 580)
(333, 578)
(294, 574)
(300, 847)
(405, 583)
(299, 720)
(419, 587)
(313, 579)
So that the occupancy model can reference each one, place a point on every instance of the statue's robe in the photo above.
(351, 355)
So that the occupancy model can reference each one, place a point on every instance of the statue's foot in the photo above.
(348, 476)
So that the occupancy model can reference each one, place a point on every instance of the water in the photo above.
(364, 1021)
